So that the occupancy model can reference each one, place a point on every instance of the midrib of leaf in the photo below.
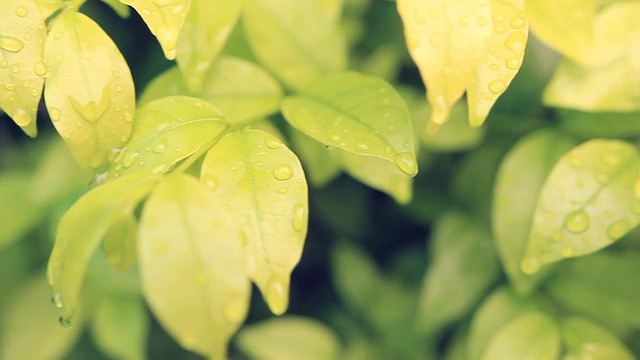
(175, 126)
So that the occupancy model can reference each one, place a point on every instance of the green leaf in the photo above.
(607, 124)
(357, 113)
(204, 34)
(320, 166)
(48, 7)
(22, 69)
(261, 182)
(462, 268)
(166, 131)
(531, 336)
(191, 265)
(120, 326)
(300, 41)
(289, 338)
(164, 18)
(30, 328)
(80, 232)
(89, 94)
(15, 205)
(121, 9)
(586, 203)
(583, 338)
(120, 242)
(518, 182)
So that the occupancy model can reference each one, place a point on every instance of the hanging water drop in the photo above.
(577, 221)
(56, 300)
(283, 172)
(406, 161)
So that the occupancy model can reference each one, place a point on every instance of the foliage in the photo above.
(179, 184)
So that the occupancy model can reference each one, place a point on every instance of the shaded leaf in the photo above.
(583, 338)
(120, 242)
(120, 326)
(318, 161)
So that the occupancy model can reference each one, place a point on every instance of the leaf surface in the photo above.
(585, 339)
(120, 326)
(120, 242)
(121, 9)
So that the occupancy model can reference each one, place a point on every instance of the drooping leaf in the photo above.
(461, 45)
(289, 338)
(89, 92)
(585, 339)
(357, 113)
(518, 182)
(120, 325)
(192, 266)
(299, 41)
(164, 18)
(121, 9)
(586, 203)
(166, 131)
(261, 182)
(22, 68)
(120, 242)
(80, 232)
(531, 336)
(204, 34)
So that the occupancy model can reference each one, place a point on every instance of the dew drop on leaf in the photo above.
(22, 11)
(39, 69)
(11, 44)
(273, 143)
(497, 86)
(210, 181)
(160, 148)
(567, 251)
(56, 300)
(299, 217)
(65, 322)
(618, 229)
(130, 159)
(406, 161)
(283, 172)
(530, 265)
(577, 221)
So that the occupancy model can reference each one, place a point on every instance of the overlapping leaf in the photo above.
(120, 242)
(192, 265)
(89, 94)
(21, 62)
(461, 45)
(585, 339)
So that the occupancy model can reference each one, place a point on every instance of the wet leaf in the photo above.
(261, 182)
(191, 265)
(461, 45)
(89, 94)
(585, 339)
(586, 203)
(299, 41)
(22, 69)
(204, 34)
(120, 326)
(518, 182)
(289, 338)
(357, 113)
(81, 230)
(164, 18)
(121, 9)
(166, 131)
(120, 242)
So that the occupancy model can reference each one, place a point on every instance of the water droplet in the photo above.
(494, 67)
(22, 11)
(235, 310)
(4, 64)
(56, 300)
(530, 265)
(515, 43)
(299, 216)
(115, 74)
(277, 294)
(362, 146)
(283, 172)
(54, 114)
(128, 117)
(557, 235)
(516, 23)
(15, 69)
(406, 161)
(210, 181)
(9, 86)
(11, 44)
(130, 159)
(57, 35)
(159, 247)
(567, 251)
(119, 88)
(65, 322)
(160, 148)
(39, 69)
(27, 36)
(618, 229)
(273, 143)
(577, 221)
(513, 64)
(497, 86)
(21, 117)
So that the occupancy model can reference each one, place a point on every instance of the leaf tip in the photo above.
(277, 294)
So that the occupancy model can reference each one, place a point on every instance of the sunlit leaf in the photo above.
(89, 93)
(120, 326)
(164, 18)
(299, 41)
(318, 161)
(532, 336)
(357, 113)
(461, 45)
(586, 203)
(120, 242)
(289, 338)
(80, 232)
(191, 265)
(48, 7)
(518, 182)
(262, 184)
(204, 33)
(22, 69)
(121, 9)
(585, 339)
(166, 131)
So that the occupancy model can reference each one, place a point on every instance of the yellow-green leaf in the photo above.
(204, 34)
(586, 203)
(299, 41)
(357, 113)
(21, 63)
(48, 7)
(164, 18)
(120, 242)
(262, 184)
(166, 131)
(81, 230)
(120, 326)
(192, 266)
(319, 164)
(121, 9)
(461, 45)
(585, 339)
(89, 93)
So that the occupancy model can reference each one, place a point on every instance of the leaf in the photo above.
(89, 94)
(319, 164)
(261, 182)
(15, 205)
(461, 45)
(584, 338)
(120, 326)
(204, 34)
(454, 135)
(21, 64)
(586, 203)
(519, 180)
(48, 7)
(120, 242)
(357, 113)
(532, 336)
(166, 131)
(121, 9)
(80, 232)
(609, 124)
(300, 41)
(191, 265)
(164, 18)
(463, 266)
(289, 338)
